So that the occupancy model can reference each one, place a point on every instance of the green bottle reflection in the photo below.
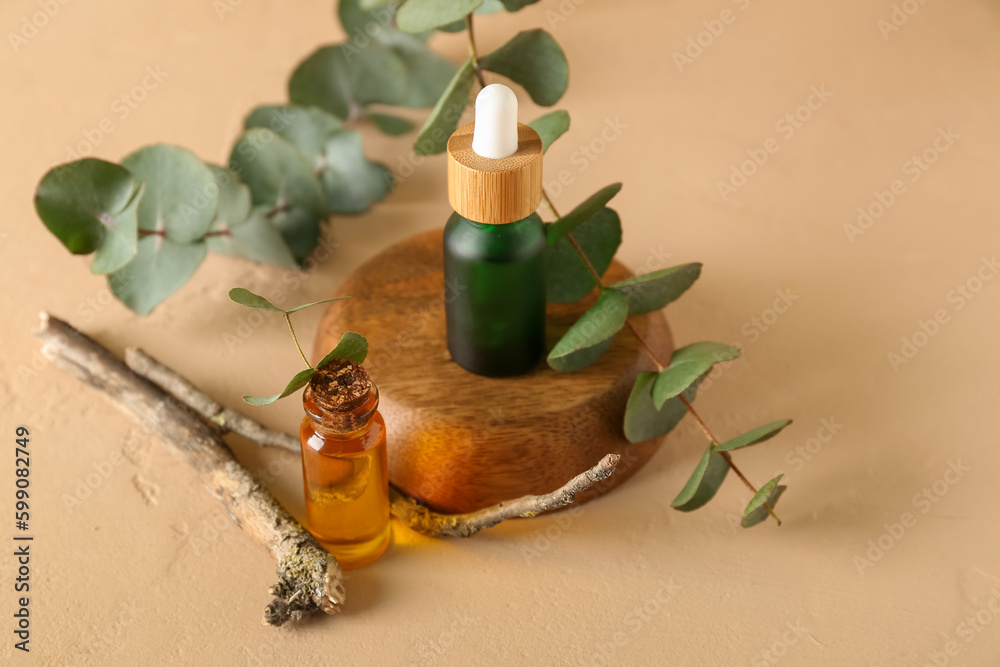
(495, 280)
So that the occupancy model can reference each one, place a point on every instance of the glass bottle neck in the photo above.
(340, 399)
(340, 423)
(508, 227)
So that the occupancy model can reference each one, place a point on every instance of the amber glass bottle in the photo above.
(344, 464)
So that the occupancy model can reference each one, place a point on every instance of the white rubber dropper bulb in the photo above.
(495, 133)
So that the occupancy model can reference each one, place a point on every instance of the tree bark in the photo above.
(309, 578)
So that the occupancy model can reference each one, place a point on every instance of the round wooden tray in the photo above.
(458, 441)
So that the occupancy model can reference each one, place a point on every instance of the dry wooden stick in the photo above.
(224, 419)
(406, 509)
(423, 520)
(309, 578)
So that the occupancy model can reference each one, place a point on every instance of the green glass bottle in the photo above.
(495, 308)
(494, 244)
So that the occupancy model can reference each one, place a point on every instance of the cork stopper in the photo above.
(344, 394)
(495, 191)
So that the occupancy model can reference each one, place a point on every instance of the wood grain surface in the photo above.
(459, 441)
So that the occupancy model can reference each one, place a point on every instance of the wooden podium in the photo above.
(458, 441)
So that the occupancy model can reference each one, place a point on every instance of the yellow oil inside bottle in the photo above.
(346, 479)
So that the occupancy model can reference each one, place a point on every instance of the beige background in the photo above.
(147, 569)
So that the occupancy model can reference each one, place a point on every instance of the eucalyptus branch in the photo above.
(576, 246)
(660, 365)
(163, 234)
(473, 52)
(295, 339)
(281, 207)
(354, 114)
(352, 346)
(725, 455)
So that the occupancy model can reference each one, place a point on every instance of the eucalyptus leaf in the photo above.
(255, 239)
(757, 503)
(534, 60)
(687, 364)
(160, 267)
(306, 128)
(295, 309)
(654, 290)
(592, 334)
(455, 26)
(583, 212)
(352, 346)
(363, 20)
(377, 74)
(181, 195)
(350, 182)
(419, 15)
(343, 77)
(491, 7)
(282, 180)
(566, 276)
(245, 297)
(299, 228)
(234, 201)
(78, 201)
(642, 420)
(443, 120)
(757, 435)
(427, 73)
(323, 80)
(515, 5)
(751, 519)
(550, 127)
(389, 124)
(121, 241)
(300, 380)
(704, 482)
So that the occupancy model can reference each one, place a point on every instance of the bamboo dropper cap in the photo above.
(495, 190)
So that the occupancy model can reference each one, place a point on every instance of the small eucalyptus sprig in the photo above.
(352, 346)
